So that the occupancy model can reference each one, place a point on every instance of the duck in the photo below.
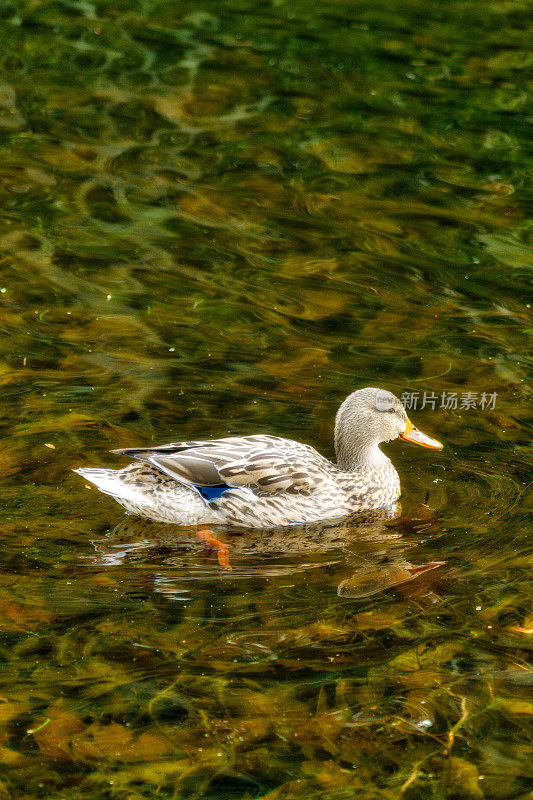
(264, 481)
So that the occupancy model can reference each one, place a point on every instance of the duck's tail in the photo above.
(109, 481)
(151, 494)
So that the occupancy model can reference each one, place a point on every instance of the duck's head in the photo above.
(368, 417)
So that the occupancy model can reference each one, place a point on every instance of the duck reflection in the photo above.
(364, 554)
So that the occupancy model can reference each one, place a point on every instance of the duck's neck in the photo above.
(357, 443)
(358, 456)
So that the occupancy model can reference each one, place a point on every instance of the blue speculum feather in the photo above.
(212, 492)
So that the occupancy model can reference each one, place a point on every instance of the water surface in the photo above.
(221, 218)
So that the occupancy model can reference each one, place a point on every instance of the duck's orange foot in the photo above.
(221, 548)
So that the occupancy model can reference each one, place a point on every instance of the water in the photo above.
(221, 218)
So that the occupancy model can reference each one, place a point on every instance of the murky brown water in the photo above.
(222, 218)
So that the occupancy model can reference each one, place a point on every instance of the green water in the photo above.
(221, 218)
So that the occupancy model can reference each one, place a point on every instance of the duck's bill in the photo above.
(412, 434)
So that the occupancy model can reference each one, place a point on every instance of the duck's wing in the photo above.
(265, 464)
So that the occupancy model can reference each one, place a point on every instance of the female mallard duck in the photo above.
(264, 481)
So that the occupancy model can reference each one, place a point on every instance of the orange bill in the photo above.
(412, 434)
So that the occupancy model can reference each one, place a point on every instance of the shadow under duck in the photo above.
(262, 481)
